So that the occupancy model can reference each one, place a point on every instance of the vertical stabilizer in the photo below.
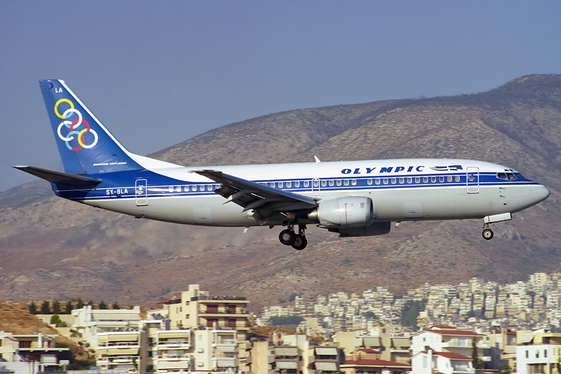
(85, 145)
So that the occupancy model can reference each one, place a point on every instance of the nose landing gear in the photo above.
(487, 232)
(289, 237)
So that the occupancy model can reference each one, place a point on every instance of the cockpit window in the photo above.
(509, 175)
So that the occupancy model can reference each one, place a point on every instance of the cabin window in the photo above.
(441, 179)
(457, 178)
(306, 184)
(186, 189)
(338, 182)
(393, 180)
(281, 184)
(449, 178)
(288, 184)
(346, 182)
(425, 179)
(369, 181)
(417, 179)
(433, 179)
(201, 187)
(331, 183)
(386, 180)
(297, 184)
(353, 182)
(377, 180)
(401, 180)
(409, 180)
(315, 183)
(324, 183)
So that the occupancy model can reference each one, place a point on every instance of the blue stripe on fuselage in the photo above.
(122, 184)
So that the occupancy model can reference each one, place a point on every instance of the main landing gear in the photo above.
(289, 237)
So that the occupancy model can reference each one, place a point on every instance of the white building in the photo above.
(537, 359)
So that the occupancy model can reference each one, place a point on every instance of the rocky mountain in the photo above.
(54, 249)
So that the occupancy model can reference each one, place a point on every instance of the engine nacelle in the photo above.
(377, 228)
(350, 211)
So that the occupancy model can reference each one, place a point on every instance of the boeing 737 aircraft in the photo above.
(353, 198)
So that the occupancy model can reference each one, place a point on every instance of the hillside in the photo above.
(54, 249)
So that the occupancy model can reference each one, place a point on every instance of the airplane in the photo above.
(352, 198)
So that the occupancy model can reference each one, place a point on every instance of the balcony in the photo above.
(225, 362)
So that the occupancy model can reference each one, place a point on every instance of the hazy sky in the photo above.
(159, 72)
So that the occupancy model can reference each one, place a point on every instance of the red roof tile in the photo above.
(454, 332)
(453, 355)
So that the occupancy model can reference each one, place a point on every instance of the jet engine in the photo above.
(352, 211)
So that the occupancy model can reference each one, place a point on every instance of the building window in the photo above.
(25, 344)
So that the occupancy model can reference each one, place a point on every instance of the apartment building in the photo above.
(118, 350)
(197, 308)
(444, 349)
(293, 354)
(92, 322)
(30, 353)
(538, 352)
(430, 361)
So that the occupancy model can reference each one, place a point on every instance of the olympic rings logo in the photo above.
(73, 127)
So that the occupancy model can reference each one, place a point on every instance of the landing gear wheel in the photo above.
(300, 243)
(287, 237)
(487, 234)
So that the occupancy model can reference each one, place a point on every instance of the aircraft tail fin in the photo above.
(85, 145)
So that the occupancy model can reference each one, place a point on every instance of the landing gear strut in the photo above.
(289, 237)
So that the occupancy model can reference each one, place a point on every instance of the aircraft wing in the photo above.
(251, 195)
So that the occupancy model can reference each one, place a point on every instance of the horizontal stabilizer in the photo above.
(58, 177)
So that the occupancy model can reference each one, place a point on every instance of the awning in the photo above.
(174, 334)
(371, 342)
(286, 351)
(286, 365)
(324, 351)
(526, 339)
(326, 366)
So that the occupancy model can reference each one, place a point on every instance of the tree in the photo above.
(55, 320)
(46, 307)
(411, 312)
(33, 308)
(370, 315)
(102, 305)
(79, 304)
(115, 306)
(69, 307)
(56, 307)
(475, 361)
(288, 320)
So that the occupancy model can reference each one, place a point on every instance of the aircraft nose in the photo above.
(538, 193)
